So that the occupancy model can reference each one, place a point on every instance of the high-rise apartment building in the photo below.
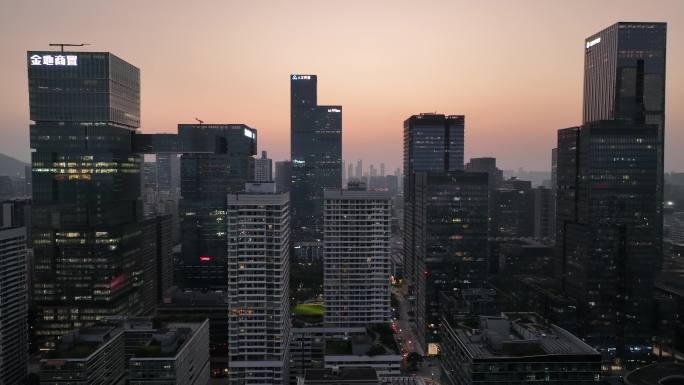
(206, 178)
(85, 108)
(258, 243)
(316, 155)
(356, 257)
(13, 302)
(432, 143)
(263, 168)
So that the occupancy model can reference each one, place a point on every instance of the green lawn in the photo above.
(308, 309)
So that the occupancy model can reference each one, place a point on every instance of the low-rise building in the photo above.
(212, 305)
(375, 349)
(133, 351)
(93, 355)
(307, 347)
(178, 353)
(512, 348)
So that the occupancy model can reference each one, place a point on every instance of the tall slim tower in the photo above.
(432, 143)
(316, 154)
(258, 226)
(609, 190)
(356, 257)
(85, 107)
(624, 79)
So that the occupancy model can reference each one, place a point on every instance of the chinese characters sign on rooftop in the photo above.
(54, 60)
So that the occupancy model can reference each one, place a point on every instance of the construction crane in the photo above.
(200, 121)
(62, 45)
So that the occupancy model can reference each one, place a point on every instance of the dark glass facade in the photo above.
(283, 175)
(609, 184)
(316, 156)
(608, 232)
(513, 209)
(432, 144)
(86, 185)
(624, 79)
(624, 74)
(206, 179)
(450, 234)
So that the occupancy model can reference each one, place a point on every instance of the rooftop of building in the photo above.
(354, 193)
(82, 343)
(342, 375)
(167, 336)
(520, 335)
(176, 297)
(164, 342)
(378, 340)
(657, 374)
(671, 281)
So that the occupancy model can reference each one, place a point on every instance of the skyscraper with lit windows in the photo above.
(258, 262)
(609, 191)
(433, 143)
(206, 178)
(85, 108)
(316, 155)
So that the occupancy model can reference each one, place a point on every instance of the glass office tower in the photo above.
(85, 107)
(610, 186)
(624, 74)
(624, 79)
(608, 234)
(206, 179)
(450, 235)
(433, 143)
(316, 155)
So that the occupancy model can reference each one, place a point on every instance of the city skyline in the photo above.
(137, 252)
(470, 78)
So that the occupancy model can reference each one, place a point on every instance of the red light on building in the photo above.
(116, 281)
(204, 258)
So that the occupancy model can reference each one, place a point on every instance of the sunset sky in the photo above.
(513, 68)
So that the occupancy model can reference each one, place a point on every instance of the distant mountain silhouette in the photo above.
(11, 167)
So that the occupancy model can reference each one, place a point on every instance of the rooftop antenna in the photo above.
(200, 121)
(62, 45)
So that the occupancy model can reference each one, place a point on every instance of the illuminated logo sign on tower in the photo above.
(54, 60)
(593, 42)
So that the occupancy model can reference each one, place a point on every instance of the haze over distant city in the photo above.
(514, 69)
